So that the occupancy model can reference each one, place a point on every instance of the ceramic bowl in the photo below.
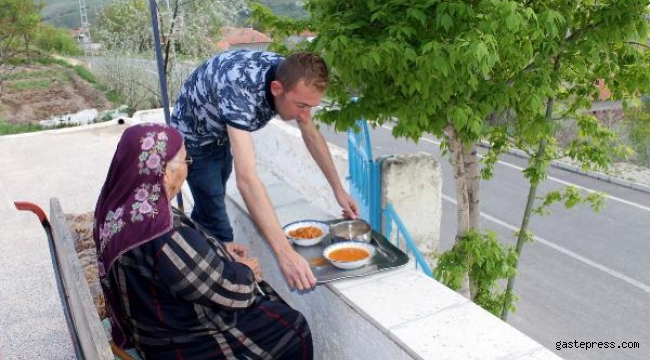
(349, 254)
(323, 227)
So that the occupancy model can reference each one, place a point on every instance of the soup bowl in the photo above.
(349, 254)
(306, 232)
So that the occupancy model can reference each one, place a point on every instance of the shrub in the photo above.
(57, 40)
(638, 129)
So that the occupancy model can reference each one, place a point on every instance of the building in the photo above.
(235, 38)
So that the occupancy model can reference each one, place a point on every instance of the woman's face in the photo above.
(176, 172)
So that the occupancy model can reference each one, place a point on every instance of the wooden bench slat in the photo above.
(92, 338)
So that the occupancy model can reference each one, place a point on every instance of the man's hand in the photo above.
(236, 250)
(296, 270)
(349, 207)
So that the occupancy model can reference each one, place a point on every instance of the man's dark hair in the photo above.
(308, 67)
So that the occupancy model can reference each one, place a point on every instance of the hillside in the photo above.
(65, 13)
(31, 93)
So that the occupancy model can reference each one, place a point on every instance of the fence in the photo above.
(365, 187)
(365, 174)
(391, 217)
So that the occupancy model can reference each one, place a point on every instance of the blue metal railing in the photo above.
(390, 216)
(365, 175)
(365, 187)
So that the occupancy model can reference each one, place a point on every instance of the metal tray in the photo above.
(386, 257)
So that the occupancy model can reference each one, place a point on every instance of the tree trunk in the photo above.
(472, 175)
(26, 40)
(462, 197)
(523, 229)
(532, 193)
(473, 186)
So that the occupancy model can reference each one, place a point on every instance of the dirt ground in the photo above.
(32, 93)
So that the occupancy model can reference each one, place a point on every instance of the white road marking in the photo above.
(567, 252)
(566, 183)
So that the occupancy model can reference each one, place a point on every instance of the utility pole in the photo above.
(84, 32)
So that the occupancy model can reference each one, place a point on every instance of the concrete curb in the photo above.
(593, 174)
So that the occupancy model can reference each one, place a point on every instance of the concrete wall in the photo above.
(280, 150)
(413, 185)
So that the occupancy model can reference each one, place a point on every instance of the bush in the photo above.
(57, 40)
(638, 129)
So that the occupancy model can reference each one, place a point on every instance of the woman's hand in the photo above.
(254, 265)
(236, 250)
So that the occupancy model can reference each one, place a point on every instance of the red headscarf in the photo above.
(133, 206)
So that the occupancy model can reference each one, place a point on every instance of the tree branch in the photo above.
(637, 43)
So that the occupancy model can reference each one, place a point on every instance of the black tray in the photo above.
(387, 256)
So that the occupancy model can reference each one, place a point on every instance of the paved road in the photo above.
(587, 275)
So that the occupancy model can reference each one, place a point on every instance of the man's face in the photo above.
(297, 102)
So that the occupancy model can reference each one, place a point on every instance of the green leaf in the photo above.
(446, 22)
(481, 51)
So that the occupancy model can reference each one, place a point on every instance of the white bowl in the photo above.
(346, 265)
(304, 223)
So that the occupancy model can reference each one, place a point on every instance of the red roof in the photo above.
(233, 36)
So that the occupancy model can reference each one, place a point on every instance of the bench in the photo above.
(90, 337)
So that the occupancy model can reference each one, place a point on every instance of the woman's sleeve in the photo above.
(194, 271)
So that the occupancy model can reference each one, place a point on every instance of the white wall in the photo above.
(280, 150)
(412, 183)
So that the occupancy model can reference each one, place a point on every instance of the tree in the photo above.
(58, 40)
(125, 26)
(488, 70)
(188, 29)
(19, 20)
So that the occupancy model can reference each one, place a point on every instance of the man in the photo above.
(226, 98)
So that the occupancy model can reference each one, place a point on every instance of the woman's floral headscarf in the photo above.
(133, 206)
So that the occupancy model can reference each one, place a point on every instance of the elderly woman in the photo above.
(173, 292)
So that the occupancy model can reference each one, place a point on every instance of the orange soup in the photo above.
(306, 232)
(348, 254)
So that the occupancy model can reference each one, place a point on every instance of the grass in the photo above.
(31, 84)
(41, 79)
(8, 128)
(85, 74)
(28, 75)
